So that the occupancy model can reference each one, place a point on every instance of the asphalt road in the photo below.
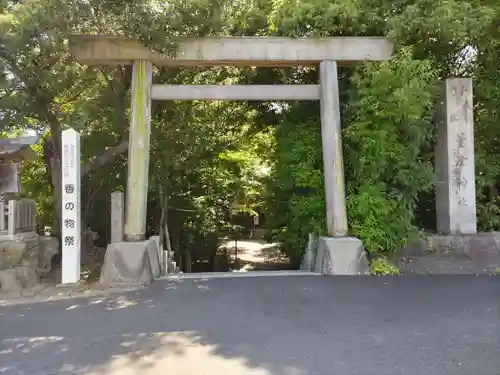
(301, 325)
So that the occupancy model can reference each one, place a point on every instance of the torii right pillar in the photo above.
(454, 154)
(338, 254)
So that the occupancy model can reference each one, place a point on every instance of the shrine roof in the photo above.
(15, 150)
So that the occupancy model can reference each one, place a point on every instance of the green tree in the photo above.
(207, 155)
(388, 116)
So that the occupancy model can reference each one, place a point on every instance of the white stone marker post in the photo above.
(456, 189)
(71, 207)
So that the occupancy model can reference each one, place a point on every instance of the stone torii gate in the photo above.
(338, 254)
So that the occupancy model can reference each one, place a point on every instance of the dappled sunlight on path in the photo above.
(256, 255)
(181, 353)
(262, 326)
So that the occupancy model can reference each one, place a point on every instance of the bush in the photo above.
(295, 203)
(382, 267)
(388, 133)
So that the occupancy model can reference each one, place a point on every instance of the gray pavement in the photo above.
(294, 325)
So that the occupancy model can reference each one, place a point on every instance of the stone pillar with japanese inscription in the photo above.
(454, 154)
(71, 207)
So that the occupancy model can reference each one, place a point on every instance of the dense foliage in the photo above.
(389, 119)
(208, 157)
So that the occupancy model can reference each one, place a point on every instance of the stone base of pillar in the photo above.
(131, 263)
(482, 248)
(341, 256)
(134, 237)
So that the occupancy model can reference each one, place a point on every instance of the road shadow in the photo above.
(266, 326)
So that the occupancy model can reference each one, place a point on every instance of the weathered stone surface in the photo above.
(454, 157)
(154, 259)
(130, 263)
(9, 281)
(12, 252)
(477, 251)
(49, 247)
(26, 276)
(24, 259)
(166, 262)
(161, 259)
(31, 255)
(3, 261)
(309, 258)
(341, 256)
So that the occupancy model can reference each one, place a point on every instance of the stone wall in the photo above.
(24, 260)
(481, 248)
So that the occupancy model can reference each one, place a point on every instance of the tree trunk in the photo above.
(236, 252)
(164, 234)
(52, 160)
(189, 262)
(56, 173)
(213, 260)
(168, 244)
(180, 261)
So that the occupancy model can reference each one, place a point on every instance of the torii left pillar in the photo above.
(138, 152)
(136, 259)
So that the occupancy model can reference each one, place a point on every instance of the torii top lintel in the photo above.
(232, 51)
